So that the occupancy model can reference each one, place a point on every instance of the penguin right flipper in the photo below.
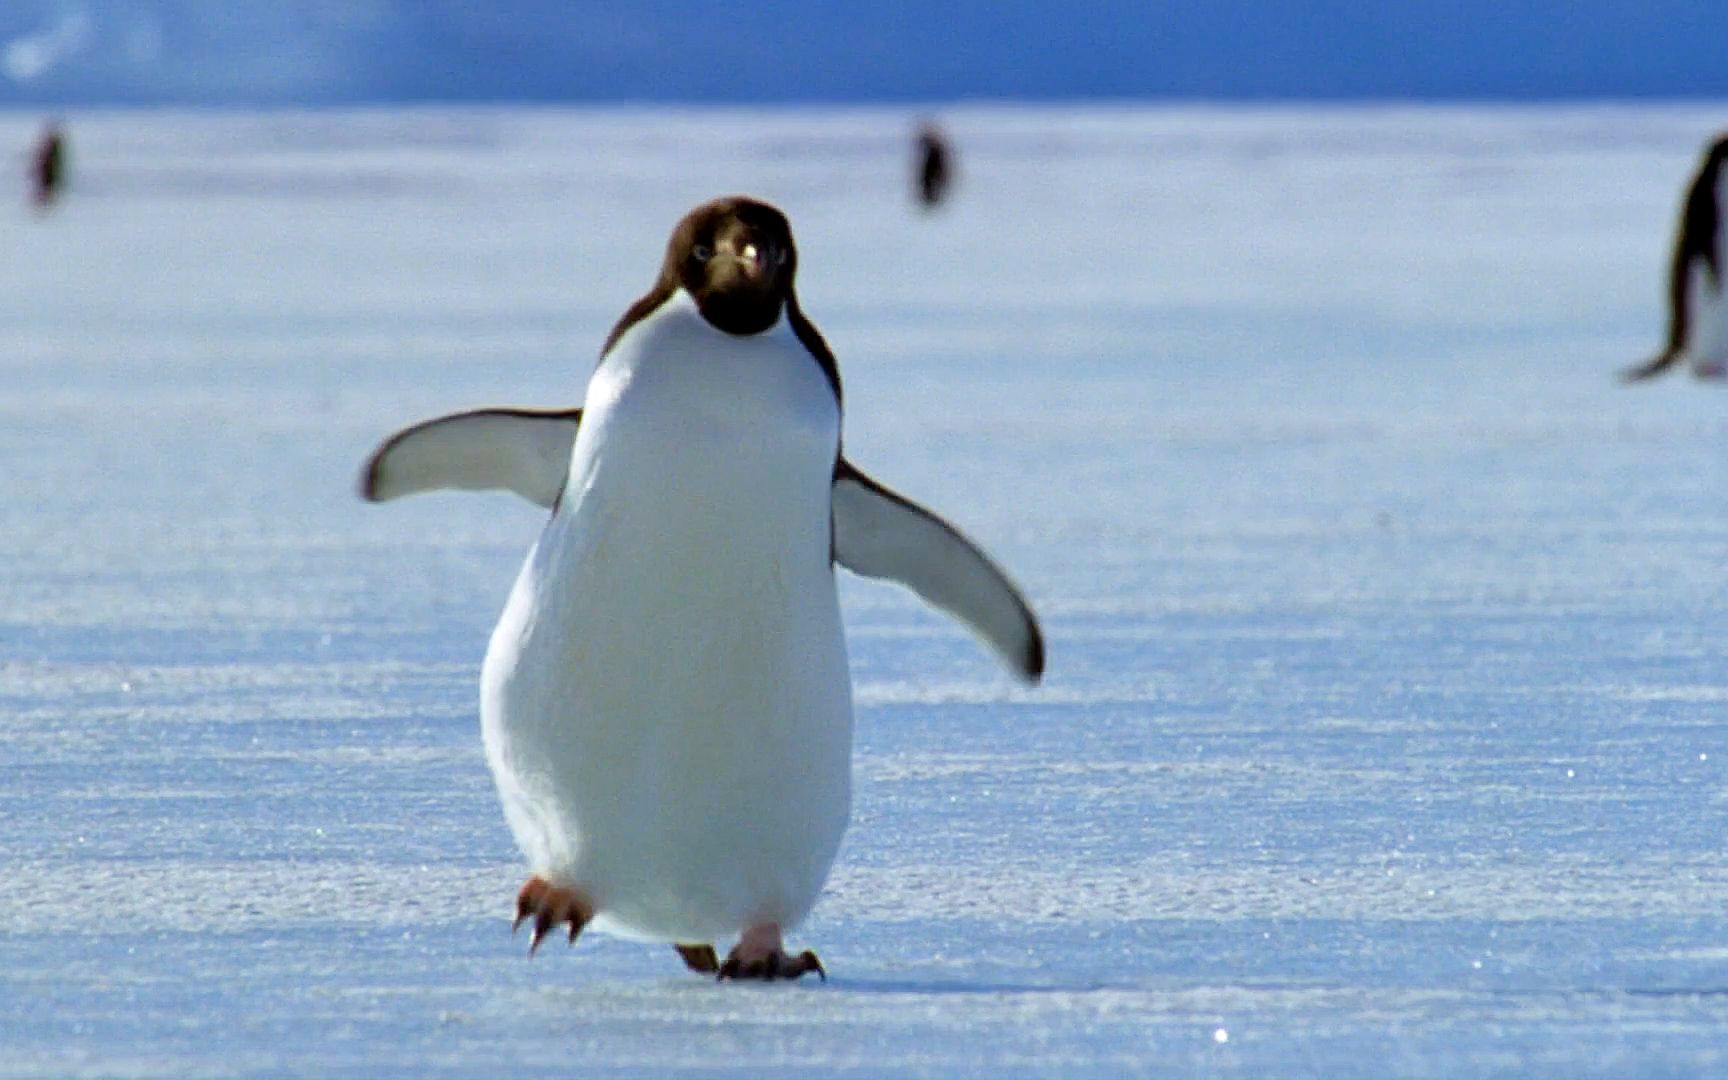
(526, 451)
(1655, 366)
(881, 534)
(1679, 312)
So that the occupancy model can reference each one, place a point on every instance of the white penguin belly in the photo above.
(1707, 342)
(666, 702)
(1707, 301)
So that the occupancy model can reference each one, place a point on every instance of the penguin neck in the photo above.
(727, 312)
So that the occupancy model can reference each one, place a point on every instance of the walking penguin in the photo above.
(666, 703)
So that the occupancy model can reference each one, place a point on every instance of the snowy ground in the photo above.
(1385, 724)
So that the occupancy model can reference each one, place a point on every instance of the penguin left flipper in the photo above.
(881, 534)
(526, 451)
(878, 533)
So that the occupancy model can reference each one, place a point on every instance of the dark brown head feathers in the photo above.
(736, 258)
(1718, 151)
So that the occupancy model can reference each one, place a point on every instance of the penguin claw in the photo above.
(552, 906)
(699, 958)
(774, 965)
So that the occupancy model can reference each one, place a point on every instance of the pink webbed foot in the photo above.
(758, 955)
(551, 906)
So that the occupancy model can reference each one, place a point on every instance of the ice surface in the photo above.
(1384, 727)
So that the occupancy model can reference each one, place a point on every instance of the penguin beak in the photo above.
(754, 257)
(744, 262)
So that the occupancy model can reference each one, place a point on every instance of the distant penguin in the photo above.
(48, 166)
(1697, 311)
(666, 703)
(933, 171)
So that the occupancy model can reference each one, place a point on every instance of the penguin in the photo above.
(934, 169)
(48, 165)
(1697, 313)
(666, 701)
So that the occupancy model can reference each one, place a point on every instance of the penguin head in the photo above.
(736, 258)
(1717, 154)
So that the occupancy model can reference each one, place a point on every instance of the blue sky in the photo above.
(313, 52)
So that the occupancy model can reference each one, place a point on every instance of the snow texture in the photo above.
(1384, 727)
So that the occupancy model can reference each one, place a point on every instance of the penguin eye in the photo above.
(780, 257)
(702, 252)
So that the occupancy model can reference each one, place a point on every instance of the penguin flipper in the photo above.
(1661, 362)
(526, 451)
(881, 534)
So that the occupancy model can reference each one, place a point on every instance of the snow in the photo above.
(1383, 730)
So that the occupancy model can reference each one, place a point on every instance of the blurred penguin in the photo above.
(935, 170)
(48, 166)
(1697, 311)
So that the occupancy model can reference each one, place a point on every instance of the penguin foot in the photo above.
(775, 965)
(758, 955)
(699, 958)
(1711, 371)
(551, 905)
